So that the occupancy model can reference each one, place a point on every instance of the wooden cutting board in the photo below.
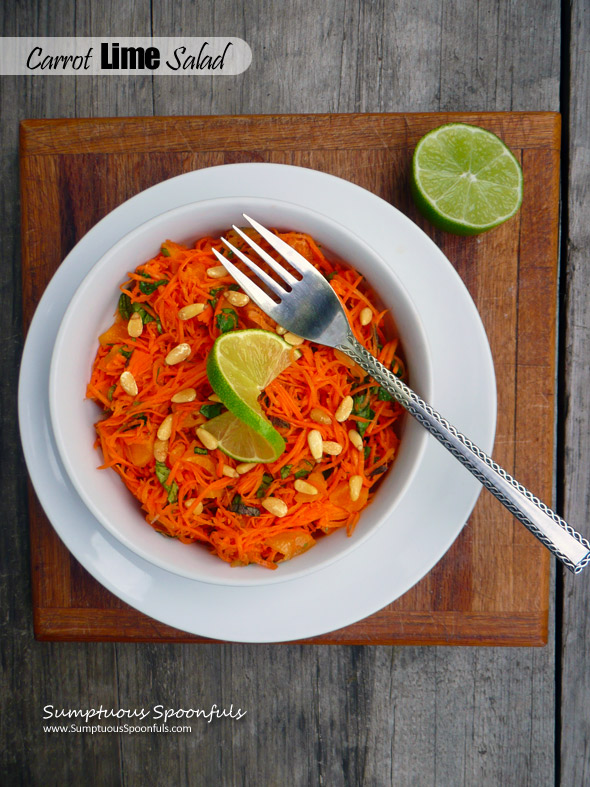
(492, 587)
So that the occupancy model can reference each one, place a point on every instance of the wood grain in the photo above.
(316, 715)
(484, 591)
(575, 677)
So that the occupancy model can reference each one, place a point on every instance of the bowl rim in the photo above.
(268, 577)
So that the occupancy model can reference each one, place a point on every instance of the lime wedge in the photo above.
(465, 180)
(240, 366)
(243, 443)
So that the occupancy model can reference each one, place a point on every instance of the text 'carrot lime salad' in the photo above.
(307, 437)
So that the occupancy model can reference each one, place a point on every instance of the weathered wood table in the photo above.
(316, 714)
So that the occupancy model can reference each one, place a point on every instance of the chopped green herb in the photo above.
(126, 353)
(150, 287)
(162, 473)
(165, 252)
(199, 450)
(303, 472)
(214, 293)
(362, 408)
(227, 320)
(367, 451)
(240, 508)
(211, 410)
(145, 316)
(361, 426)
(173, 492)
(285, 471)
(266, 482)
(233, 287)
(110, 393)
(124, 306)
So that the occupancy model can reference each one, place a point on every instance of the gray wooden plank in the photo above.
(316, 715)
(575, 687)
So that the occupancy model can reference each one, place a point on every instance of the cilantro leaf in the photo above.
(227, 320)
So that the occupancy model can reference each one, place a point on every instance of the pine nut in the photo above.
(186, 395)
(229, 472)
(191, 310)
(206, 438)
(304, 487)
(355, 439)
(237, 298)
(344, 409)
(355, 484)
(177, 354)
(198, 509)
(315, 443)
(332, 448)
(275, 506)
(214, 398)
(366, 316)
(293, 339)
(319, 416)
(165, 428)
(280, 330)
(160, 450)
(244, 467)
(128, 383)
(217, 272)
(135, 325)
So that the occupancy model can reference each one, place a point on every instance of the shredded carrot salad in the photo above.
(183, 487)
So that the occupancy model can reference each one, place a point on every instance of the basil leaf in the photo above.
(211, 410)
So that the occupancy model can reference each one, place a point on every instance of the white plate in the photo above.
(440, 497)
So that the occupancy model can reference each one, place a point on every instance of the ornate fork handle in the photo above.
(560, 538)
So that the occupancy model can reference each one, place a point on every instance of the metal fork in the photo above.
(309, 308)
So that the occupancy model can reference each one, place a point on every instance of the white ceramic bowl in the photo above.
(91, 312)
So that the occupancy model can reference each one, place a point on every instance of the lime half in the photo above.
(242, 442)
(465, 180)
(240, 366)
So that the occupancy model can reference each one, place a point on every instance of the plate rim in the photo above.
(128, 208)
